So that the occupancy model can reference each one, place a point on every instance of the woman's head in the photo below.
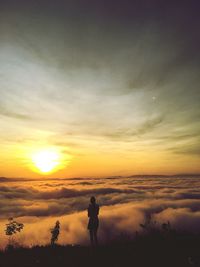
(93, 200)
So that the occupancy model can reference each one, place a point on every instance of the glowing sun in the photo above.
(46, 160)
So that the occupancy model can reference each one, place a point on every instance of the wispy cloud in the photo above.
(14, 115)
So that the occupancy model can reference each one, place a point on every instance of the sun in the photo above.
(46, 160)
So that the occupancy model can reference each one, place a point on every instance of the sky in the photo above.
(112, 86)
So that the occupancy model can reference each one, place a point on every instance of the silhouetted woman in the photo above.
(93, 224)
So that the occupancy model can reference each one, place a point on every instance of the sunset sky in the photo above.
(104, 87)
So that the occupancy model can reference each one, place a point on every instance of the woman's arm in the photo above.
(88, 211)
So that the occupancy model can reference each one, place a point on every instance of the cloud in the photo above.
(191, 149)
(13, 114)
(63, 192)
(124, 204)
(114, 220)
(107, 90)
(181, 219)
(38, 198)
(126, 134)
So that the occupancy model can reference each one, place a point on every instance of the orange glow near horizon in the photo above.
(46, 160)
(35, 159)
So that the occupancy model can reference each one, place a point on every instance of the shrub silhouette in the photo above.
(55, 233)
(153, 228)
(166, 227)
(12, 227)
(149, 225)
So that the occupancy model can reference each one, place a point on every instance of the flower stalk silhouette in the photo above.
(55, 233)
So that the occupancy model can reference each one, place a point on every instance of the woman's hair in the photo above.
(92, 199)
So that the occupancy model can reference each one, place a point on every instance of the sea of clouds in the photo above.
(125, 202)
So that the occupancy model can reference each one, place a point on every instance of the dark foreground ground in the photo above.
(149, 251)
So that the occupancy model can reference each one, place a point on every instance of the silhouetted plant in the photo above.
(55, 233)
(149, 225)
(166, 227)
(13, 227)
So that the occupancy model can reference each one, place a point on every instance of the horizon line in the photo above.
(100, 177)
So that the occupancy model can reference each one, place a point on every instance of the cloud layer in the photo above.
(125, 203)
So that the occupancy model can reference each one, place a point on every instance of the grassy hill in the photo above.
(172, 251)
